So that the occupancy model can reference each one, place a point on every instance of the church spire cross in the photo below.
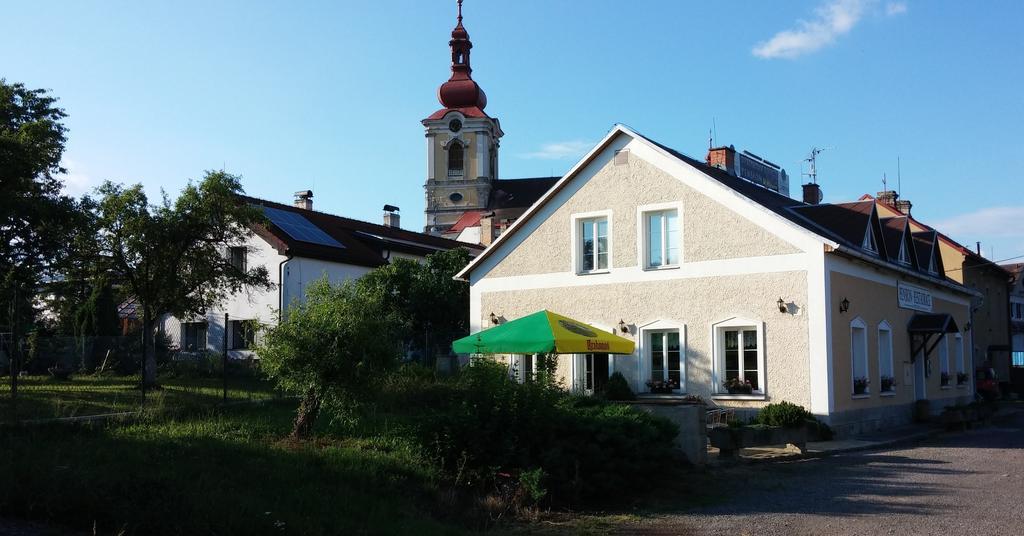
(460, 11)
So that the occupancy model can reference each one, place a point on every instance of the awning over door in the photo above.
(923, 327)
(932, 323)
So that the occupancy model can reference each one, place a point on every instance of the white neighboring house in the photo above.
(297, 247)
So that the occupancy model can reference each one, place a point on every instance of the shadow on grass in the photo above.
(218, 474)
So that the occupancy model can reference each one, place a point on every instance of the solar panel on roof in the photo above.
(299, 228)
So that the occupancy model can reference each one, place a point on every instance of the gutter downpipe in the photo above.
(280, 289)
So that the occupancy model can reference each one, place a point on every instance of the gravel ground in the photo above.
(960, 483)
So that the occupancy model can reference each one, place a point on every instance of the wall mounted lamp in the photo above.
(494, 319)
(623, 327)
(844, 305)
(782, 306)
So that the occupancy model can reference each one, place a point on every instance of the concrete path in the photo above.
(951, 483)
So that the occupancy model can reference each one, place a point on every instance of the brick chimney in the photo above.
(487, 229)
(391, 217)
(812, 193)
(723, 158)
(888, 197)
(903, 205)
(304, 199)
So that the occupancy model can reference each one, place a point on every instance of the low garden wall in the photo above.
(691, 419)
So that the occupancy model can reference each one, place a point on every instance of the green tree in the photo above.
(431, 306)
(173, 257)
(36, 218)
(331, 348)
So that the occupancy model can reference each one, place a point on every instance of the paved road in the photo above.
(966, 483)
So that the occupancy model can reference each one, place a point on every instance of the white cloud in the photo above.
(997, 228)
(895, 8)
(76, 182)
(833, 19)
(561, 150)
(991, 221)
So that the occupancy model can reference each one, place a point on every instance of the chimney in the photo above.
(391, 217)
(487, 229)
(903, 205)
(723, 158)
(304, 199)
(888, 197)
(812, 193)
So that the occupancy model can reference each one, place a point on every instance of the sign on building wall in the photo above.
(916, 298)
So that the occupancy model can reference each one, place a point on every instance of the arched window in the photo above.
(455, 154)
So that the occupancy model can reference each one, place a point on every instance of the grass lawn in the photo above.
(42, 397)
(217, 473)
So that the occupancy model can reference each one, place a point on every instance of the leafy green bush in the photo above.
(784, 414)
(789, 415)
(481, 423)
(617, 388)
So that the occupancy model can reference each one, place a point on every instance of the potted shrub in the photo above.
(860, 386)
(662, 386)
(961, 378)
(735, 386)
(944, 379)
(888, 383)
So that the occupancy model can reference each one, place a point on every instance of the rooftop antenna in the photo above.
(813, 159)
(885, 183)
(714, 128)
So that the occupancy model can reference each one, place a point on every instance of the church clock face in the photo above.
(455, 125)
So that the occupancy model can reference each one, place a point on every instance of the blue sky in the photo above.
(329, 95)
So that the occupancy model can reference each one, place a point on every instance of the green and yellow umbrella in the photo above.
(543, 332)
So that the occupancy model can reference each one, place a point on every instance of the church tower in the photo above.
(462, 143)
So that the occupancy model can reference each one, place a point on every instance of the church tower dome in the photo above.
(462, 143)
(461, 91)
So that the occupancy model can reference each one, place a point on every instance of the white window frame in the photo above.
(577, 241)
(869, 242)
(522, 375)
(958, 351)
(643, 352)
(718, 330)
(579, 363)
(904, 255)
(885, 341)
(643, 232)
(855, 324)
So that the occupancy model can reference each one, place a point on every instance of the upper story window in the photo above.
(869, 241)
(455, 159)
(904, 256)
(237, 257)
(593, 247)
(1017, 310)
(661, 245)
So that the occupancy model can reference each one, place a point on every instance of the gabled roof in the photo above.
(519, 193)
(827, 223)
(470, 218)
(363, 243)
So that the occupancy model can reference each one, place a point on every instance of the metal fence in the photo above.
(60, 377)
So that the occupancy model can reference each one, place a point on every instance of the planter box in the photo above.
(730, 440)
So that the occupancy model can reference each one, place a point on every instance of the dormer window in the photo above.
(932, 269)
(903, 258)
(869, 241)
(455, 160)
